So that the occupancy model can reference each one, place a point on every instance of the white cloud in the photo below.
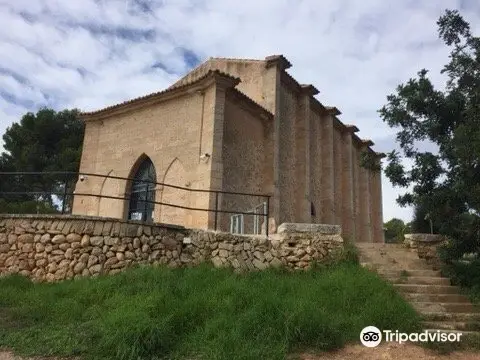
(93, 53)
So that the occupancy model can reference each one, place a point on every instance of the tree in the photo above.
(422, 221)
(45, 141)
(395, 229)
(445, 183)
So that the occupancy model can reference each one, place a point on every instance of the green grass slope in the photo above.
(198, 313)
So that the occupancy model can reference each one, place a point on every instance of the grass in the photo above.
(198, 313)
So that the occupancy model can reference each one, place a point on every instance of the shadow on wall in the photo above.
(111, 187)
(175, 174)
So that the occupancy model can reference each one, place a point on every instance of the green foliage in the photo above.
(445, 184)
(26, 207)
(45, 141)
(421, 220)
(202, 312)
(395, 229)
(465, 273)
(370, 161)
(347, 255)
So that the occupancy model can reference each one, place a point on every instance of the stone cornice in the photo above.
(362, 144)
(309, 89)
(367, 142)
(333, 110)
(351, 128)
(280, 60)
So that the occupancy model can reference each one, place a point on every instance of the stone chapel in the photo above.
(231, 125)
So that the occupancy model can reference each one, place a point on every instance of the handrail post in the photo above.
(64, 195)
(145, 214)
(267, 216)
(216, 210)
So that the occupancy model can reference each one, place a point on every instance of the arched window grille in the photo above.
(142, 192)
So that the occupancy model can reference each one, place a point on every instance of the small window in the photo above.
(236, 224)
(312, 209)
(260, 212)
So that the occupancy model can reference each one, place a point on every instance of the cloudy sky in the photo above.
(92, 53)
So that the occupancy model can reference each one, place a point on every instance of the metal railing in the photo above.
(68, 176)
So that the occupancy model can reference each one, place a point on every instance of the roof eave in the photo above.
(309, 89)
(213, 76)
(278, 59)
(367, 142)
(332, 110)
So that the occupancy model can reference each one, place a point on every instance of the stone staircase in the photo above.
(441, 305)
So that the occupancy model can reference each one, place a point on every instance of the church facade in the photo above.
(238, 126)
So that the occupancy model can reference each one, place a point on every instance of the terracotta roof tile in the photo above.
(312, 90)
(352, 128)
(159, 93)
(367, 142)
(236, 59)
(333, 110)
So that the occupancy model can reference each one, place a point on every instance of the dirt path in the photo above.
(7, 355)
(351, 352)
(391, 352)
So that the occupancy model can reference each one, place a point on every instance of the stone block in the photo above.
(26, 238)
(58, 239)
(326, 229)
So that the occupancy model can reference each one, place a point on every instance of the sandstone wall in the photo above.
(55, 248)
(245, 147)
(171, 133)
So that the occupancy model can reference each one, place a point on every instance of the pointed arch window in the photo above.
(143, 192)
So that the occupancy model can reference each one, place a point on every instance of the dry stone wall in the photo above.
(426, 246)
(54, 248)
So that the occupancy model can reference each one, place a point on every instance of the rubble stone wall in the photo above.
(53, 248)
(426, 246)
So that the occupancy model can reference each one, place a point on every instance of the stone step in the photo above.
(463, 332)
(415, 264)
(445, 307)
(427, 289)
(419, 280)
(368, 245)
(383, 251)
(442, 298)
(453, 325)
(450, 317)
(389, 253)
(388, 263)
(409, 272)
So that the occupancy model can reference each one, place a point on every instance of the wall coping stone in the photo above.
(424, 238)
(90, 218)
(325, 229)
